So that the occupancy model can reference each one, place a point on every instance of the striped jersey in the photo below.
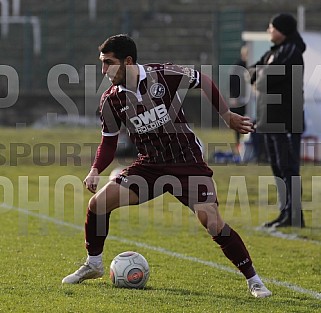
(153, 115)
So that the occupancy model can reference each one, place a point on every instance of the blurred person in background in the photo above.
(278, 79)
(238, 92)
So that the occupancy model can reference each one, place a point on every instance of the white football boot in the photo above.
(86, 271)
(258, 290)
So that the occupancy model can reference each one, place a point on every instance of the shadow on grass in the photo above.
(173, 291)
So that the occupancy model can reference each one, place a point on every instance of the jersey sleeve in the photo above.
(110, 122)
(182, 76)
(213, 94)
(105, 152)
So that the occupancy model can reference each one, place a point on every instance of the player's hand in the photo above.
(92, 179)
(241, 124)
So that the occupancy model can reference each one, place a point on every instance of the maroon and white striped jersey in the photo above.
(153, 115)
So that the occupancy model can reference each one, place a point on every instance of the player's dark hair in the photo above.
(121, 45)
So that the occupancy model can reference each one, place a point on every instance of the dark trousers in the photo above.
(284, 156)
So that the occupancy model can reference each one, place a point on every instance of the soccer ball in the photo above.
(129, 270)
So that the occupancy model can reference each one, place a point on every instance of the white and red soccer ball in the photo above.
(129, 270)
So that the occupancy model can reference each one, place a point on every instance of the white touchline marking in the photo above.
(177, 255)
(278, 234)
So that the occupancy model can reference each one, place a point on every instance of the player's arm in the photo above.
(235, 121)
(104, 156)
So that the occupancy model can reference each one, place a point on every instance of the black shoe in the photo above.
(277, 220)
(287, 222)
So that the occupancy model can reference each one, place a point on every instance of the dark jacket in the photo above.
(279, 73)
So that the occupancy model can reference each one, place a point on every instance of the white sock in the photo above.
(254, 279)
(96, 260)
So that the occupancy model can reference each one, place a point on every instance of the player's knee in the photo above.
(202, 217)
(210, 219)
(92, 204)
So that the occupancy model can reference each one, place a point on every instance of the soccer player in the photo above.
(145, 100)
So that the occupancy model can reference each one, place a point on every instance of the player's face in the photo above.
(276, 36)
(113, 68)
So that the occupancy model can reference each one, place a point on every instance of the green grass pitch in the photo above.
(43, 210)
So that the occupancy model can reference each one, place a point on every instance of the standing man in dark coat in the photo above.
(278, 78)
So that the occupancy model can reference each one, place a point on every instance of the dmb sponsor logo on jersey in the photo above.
(151, 119)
